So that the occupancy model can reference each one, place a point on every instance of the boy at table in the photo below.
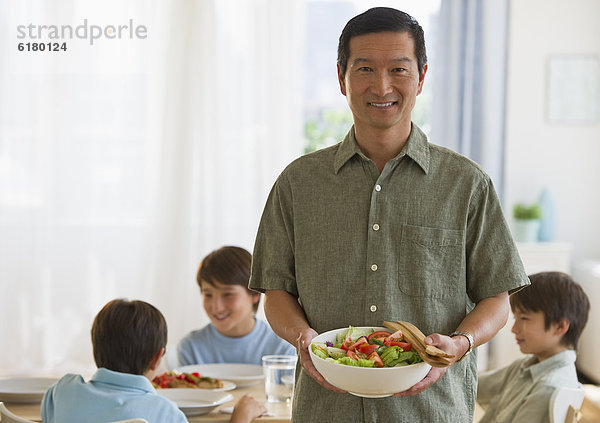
(128, 339)
(550, 315)
(234, 335)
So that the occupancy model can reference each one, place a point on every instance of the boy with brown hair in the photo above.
(129, 339)
(550, 315)
(234, 335)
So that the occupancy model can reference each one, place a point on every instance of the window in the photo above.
(327, 116)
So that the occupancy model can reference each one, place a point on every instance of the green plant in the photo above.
(527, 212)
(330, 126)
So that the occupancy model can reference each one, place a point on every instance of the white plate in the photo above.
(195, 402)
(25, 389)
(241, 374)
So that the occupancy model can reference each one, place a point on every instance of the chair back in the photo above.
(565, 403)
(10, 417)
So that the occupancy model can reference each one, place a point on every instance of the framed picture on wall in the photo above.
(573, 89)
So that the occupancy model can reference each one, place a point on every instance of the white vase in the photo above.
(547, 223)
(526, 230)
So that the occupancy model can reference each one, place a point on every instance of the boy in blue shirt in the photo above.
(234, 335)
(129, 339)
(550, 315)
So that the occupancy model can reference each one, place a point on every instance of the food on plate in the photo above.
(186, 380)
(367, 348)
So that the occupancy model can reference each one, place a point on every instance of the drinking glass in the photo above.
(279, 377)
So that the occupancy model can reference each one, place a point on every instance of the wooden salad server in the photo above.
(429, 353)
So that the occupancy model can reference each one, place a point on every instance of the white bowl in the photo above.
(195, 402)
(366, 381)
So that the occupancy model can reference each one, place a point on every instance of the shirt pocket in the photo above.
(430, 261)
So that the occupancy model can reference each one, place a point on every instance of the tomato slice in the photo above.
(395, 338)
(367, 348)
(360, 341)
(352, 355)
(346, 344)
(404, 345)
(380, 334)
(375, 358)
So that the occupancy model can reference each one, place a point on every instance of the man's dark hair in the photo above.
(126, 335)
(382, 19)
(559, 297)
(229, 266)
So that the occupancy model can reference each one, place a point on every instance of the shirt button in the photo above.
(375, 227)
(373, 308)
(373, 267)
(377, 187)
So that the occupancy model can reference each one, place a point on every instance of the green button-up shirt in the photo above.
(521, 391)
(422, 241)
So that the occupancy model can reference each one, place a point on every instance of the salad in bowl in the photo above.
(367, 361)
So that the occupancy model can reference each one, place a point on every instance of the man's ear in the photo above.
(341, 79)
(155, 361)
(422, 79)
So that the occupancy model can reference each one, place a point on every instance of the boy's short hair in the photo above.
(126, 335)
(229, 266)
(559, 297)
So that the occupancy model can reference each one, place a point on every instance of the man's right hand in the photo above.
(302, 345)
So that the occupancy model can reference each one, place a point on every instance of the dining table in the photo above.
(278, 412)
(281, 412)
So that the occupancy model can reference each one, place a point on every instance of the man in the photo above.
(385, 226)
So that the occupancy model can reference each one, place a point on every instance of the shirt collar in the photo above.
(537, 370)
(127, 380)
(417, 148)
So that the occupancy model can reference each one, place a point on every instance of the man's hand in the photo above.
(287, 319)
(450, 345)
(303, 344)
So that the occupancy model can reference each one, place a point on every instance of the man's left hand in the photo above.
(445, 343)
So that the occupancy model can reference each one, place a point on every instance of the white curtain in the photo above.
(124, 162)
(469, 90)
(469, 81)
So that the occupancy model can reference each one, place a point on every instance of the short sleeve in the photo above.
(493, 262)
(47, 408)
(273, 263)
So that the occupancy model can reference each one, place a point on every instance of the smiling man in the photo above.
(381, 84)
(386, 226)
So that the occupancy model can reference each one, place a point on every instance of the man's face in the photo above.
(382, 80)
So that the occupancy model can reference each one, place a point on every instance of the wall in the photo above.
(565, 158)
